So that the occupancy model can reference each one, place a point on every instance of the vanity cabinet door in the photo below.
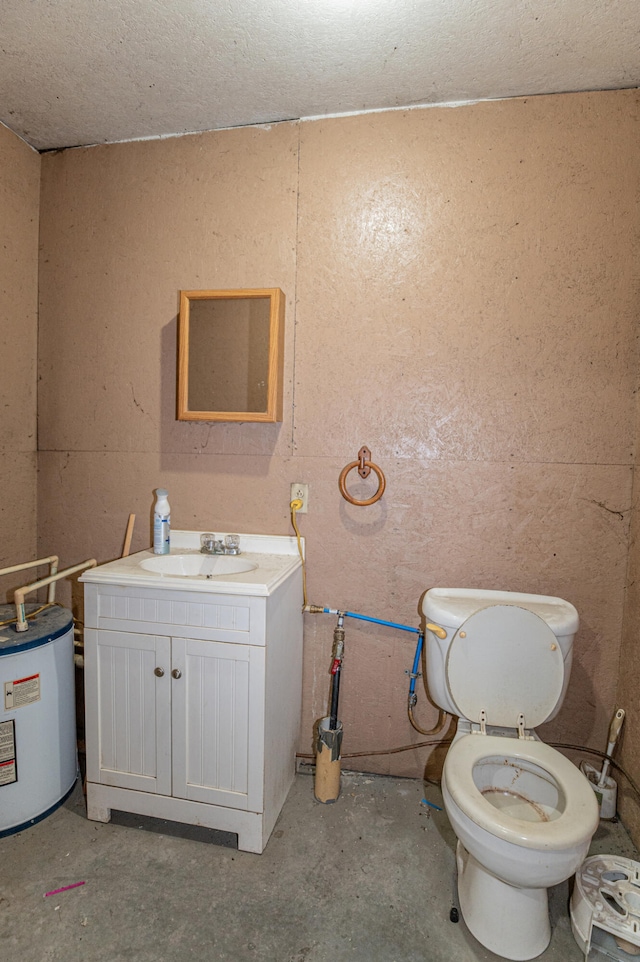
(218, 722)
(128, 709)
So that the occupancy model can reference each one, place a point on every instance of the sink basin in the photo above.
(197, 565)
(265, 563)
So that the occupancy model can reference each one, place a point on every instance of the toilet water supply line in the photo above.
(338, 654)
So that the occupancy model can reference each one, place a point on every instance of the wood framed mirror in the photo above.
(231, 355)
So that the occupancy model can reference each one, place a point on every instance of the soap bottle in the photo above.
(161, 522)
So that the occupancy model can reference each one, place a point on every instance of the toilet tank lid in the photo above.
(449, 607)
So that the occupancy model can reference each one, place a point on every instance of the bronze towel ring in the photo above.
(365, 466)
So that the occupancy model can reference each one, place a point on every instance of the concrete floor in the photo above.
(369, 878)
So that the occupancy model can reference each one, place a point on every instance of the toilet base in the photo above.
(512, 922)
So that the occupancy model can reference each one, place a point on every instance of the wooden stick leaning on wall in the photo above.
(128, 535)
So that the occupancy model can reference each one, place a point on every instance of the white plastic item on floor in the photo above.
(606, 899)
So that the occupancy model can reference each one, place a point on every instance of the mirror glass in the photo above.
(230, 355)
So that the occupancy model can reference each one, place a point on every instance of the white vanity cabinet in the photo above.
(193, 695)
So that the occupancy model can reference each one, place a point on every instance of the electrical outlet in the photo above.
(300, 492)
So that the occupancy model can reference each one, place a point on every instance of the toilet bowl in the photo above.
(523, 814)
(524, 817)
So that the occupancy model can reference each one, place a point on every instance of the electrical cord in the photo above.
(295, 506)
(448, 741)
(384, 751)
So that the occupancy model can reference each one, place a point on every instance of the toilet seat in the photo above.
(580, 813)
(503, 662)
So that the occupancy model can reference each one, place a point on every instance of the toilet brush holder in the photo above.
(606, 795)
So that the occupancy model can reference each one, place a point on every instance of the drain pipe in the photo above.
(327, 780)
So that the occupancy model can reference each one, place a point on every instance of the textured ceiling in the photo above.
(94, 71)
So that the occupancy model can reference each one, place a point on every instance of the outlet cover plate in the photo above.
(300, 491)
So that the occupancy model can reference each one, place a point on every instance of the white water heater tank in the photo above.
(38, 751)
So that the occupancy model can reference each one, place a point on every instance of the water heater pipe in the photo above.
(19, 593)
(51, 560)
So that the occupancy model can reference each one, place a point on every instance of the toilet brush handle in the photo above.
(614, 731)
(602, 781)
(614, 728)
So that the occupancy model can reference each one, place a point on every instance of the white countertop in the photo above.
(276, 558)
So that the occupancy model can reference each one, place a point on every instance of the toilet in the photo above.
(523, 814)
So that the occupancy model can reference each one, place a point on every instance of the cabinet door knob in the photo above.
(176, 673)
(158, 671)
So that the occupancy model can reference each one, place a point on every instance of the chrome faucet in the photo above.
(209, 544)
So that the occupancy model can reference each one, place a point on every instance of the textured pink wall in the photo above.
(460, 297)
(19, 201)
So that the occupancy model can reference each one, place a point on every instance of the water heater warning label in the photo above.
(8, 770)
(23, 691)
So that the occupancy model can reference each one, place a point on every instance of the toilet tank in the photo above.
(450, 607)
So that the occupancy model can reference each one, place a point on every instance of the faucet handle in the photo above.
(207, 542)
(232, 544)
